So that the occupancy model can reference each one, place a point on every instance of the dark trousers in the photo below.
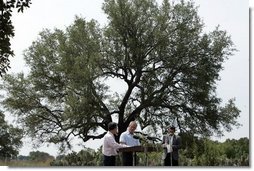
(167, 160)
(127, 158)
(109, 160)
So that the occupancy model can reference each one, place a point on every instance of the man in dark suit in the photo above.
(171, 143)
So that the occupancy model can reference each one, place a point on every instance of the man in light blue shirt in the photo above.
(127, 139)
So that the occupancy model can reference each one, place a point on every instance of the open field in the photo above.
(19, 163)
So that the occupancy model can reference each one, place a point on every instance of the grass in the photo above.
(19, 163)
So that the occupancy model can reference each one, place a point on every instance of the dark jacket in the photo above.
(176, 145)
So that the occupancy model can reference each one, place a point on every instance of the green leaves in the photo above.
(7, 30)
(62, 96)
(160, 52)
(10, 139)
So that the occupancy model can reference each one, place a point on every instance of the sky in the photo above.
(231, 15)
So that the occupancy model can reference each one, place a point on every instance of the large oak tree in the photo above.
(160, 52)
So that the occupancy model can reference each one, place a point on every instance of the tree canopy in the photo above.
(7, 29)
(159, 51)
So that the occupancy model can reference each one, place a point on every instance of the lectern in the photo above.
(136, 149)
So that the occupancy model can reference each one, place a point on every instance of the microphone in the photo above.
(136, 137)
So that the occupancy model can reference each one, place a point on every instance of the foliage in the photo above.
(86, 157)
(10, 139)
(34, 159)
(168, 65)
(205, 152)
(210, 153)
(7, 30)
(39, 156)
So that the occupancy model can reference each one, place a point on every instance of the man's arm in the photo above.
(112, 142)
(177, 145)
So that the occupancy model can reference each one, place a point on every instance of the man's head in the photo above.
(132, 127)
(112, 127)
(171, 130)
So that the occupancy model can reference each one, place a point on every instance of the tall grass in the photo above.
(25, 163)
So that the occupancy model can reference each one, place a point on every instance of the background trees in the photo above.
(214, 154)
(85, 157)
(39, 156)
(168, 65)
(7, 29)
(34, 159)
(10, 139)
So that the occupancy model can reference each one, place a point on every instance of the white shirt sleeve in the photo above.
(112, 143)
(110, 146)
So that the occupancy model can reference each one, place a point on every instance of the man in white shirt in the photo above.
(110, 146)
(128, 139)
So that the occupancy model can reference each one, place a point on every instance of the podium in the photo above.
(135, 149)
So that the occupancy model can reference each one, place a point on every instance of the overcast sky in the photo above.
(231, 15)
